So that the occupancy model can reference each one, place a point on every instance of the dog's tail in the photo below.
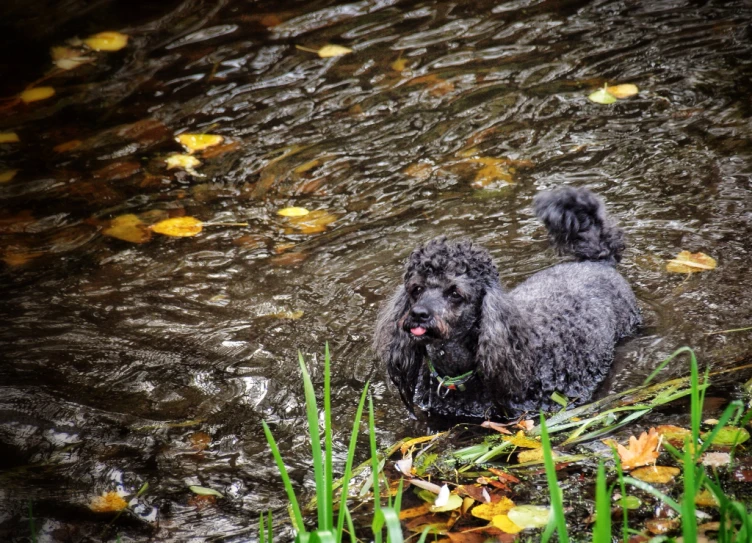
(577, 225)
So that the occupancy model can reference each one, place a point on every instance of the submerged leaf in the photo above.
(529, 516)
(108, 502)
(686, 262)
(68, 58)
(198, 142)
(179, 227)
(7, 175)
(203, 491)
(656, 474)
(602, 96)
(728, 435)
(36, 94)
(128, 228)
(293, 212)
(107, 41)
(9, 137)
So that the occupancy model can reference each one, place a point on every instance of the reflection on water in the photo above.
(127, 363)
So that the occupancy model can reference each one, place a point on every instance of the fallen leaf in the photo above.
(434, 526)
(686, 262)
(453, 502)
(128, 227)
(399, 64)
(184, 162)
(107, 41)
(716, 459)
(706, 499)
(36, 94)
(288, 315)
(203, 491)
(488, 511)
(9, 137)
(410, 443)
(631, 502)
(436, 86)
(333, 51)
(656, 474)
(420, 170)
(7, 175)
(529, 516)
(504, 475)
(179, 227)
(521, 440)
(313, 222)
(67, 146)
(414, 512)
(660, 526)
(623, 91)
(476, 493)
(108, 502)
(602, 96)
(531, 455)
(505, 524)
(200, 440)
(68, 58)
(673, 434)
(198, 142)
(202, 502)
(641, 451)
(526, 425)
(499, 427)
(18, 257)
(494, 169)
(293, 212)
(727, 436)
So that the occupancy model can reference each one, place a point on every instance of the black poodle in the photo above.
(457, 344)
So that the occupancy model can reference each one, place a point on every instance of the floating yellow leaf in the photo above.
(184, 162)
(9, 137)
(293, 212)
(109, 502)
(198, 142)
(488, 511)
(128, 228)
(656, 474)
(107, 41)
(7, 175)
(504, 523)
(623, 91)
(327, 50)
(67, 58)
(179, 227)
(520, 440)
(399, 64)
(602, 96)
(410, 443)
(641, 451)
(36, 94)
(686, 262)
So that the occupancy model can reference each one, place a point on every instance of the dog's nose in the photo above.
(419, 313)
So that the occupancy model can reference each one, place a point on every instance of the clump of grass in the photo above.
(385, 519)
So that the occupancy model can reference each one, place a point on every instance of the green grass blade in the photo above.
(262, 528)
(299, 526)
(374, 471)
(623, 489)
(328, 467)
(696, 404)
(655, 492)
(350, 526)
(318, 457)
(270, 530)
(31, 524)
(349, 463)
(557, 506)
(689, 520)
(424, 534)
(663, 364)
(398, 499)
(602, 528)
(729, 412)
(388, 517)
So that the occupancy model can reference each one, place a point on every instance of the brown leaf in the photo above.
(200, 440)
(660, 526)
(641, 451)
(499, 427)
(504, 475)
(128, 228)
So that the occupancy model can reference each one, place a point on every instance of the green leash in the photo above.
(449, 383)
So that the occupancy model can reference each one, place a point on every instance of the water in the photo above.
(119, 359)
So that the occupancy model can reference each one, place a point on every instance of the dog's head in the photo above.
(445, 283)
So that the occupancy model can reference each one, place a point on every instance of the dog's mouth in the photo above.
(418, 331)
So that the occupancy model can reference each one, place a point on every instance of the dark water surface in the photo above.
(120, 361)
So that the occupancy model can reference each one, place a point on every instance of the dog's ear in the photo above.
(395, 347)
(502, 346)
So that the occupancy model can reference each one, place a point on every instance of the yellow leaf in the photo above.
(288, 315)
(184, 162)
(107, 41)
(602, 96)
(36, 94)
(9, 137)
(409, 444)
(706, 499)
(656, 474)
(454, 502)
(179, 227)
(488, 511)
(686, 262)
(503, 523)
(7, 175)
(67, 58)
(520, 440)
(399, 64)
(673, 434)
(641, 451)
(293, 212)
(333, 51)
(128, 228)
(494, 169)
(623, 91)
(108, 503)
(530, 455)
(413, 512)
(198, 142)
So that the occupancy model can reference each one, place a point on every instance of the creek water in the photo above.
(125, 363)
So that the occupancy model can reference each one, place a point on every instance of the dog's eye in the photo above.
(454, 294)
(416, 291)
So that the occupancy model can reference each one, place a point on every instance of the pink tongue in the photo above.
(418, 331)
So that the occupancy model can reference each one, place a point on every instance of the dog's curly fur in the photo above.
(555, 332)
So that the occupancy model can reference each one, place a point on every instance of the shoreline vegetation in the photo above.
(528, 480)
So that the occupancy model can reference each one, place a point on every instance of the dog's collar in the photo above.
(450, 383)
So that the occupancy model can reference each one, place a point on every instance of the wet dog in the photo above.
(457, 344)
